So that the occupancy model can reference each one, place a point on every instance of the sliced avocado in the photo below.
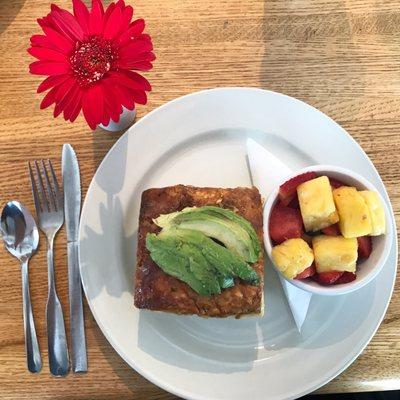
(230, 234)
(184, 263)
(225, 262)
(240, 220)
(197, 241)
(172, 262)
(196, 259)
(235, 232)
(200, 268)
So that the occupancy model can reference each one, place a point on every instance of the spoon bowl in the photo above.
(21, 238)
(19, 231)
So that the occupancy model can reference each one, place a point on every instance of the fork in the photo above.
(49, 203)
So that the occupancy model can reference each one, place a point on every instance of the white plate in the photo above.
(200, 140)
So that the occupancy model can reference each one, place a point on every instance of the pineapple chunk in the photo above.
(376, 212)
(316, 204)
(354, 218)
(335, 253)
(292, 257)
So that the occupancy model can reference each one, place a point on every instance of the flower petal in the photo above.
(65, 88)
(120, 4)
(99, 95)
(62, 42)
(92, 105)
(99, 5)
(68, 95)
(113, 24)
(130, 62)
(139, 96)
(142, 66)
(139, 79)
(125, 97)
(44, 54)
(118, 78)
(138, 24)
(108, 12)
(127, 14)
(135, 28)
(46, 21)
(96, 19)
(112, 99)
(49, 99)
(81, 13)
(143, 36)
(48, 68)
(106, 114)
(71, 103)
(135, 47)
(43, 41)
(109, 111)
(53, 80)
(76, 109)
(66, 23)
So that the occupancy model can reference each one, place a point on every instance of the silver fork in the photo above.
(49, 203)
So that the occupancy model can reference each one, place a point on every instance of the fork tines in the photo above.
(46, 192)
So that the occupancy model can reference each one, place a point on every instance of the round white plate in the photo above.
(200, 140)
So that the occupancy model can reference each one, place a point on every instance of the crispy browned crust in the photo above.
(156, 290)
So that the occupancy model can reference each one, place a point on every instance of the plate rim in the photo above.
(155, 379)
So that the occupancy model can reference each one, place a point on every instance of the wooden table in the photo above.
(342, 56)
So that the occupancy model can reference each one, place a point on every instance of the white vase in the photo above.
(126, 119)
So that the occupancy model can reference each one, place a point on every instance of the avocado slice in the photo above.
(230, 215)
(234, 231)
(167, 253)
(192, 244)
(200, 268)
(225, 262)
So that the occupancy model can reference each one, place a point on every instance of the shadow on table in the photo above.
(310, 55)
(8, 11)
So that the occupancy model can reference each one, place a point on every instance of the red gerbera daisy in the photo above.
(89, 57)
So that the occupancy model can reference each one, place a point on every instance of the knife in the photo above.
(267, 172)
(72, 209)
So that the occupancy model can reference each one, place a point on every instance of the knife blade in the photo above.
(72, 209)
(267, 172)
(72, 191)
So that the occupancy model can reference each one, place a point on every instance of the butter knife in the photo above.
(267, 172)
(72, 209)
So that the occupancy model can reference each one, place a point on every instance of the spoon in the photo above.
(21, 239)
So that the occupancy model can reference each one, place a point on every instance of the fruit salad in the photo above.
(322, 229)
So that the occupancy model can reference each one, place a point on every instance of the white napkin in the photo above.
(267, 173)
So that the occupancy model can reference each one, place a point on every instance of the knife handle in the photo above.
(77, 322)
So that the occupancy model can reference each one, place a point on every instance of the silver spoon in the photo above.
(21, 239)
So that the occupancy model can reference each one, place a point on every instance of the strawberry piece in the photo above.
(332, 230)
(294, 203)
(346, 278)
(364, 246)
(285, 223)
(287, 191)
(329, 277)
(336, 183)
(307, 273)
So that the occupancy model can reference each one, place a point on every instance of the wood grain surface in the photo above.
(342, 56)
